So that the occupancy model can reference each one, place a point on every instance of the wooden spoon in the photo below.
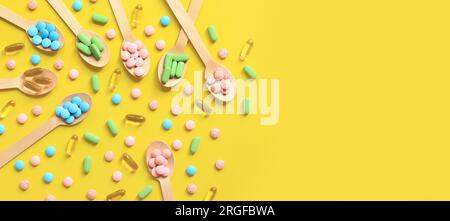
(166, 186)
(127, 35)
(25, 24)
(76, 28)
(210, 65)
(54, 122)
(34, 82)
(193, 10)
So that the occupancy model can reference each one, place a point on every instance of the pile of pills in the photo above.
(173, 66)
(90, 46)
(72, 109)
(159, 162)
(45, 34)
(220, 82)
(134, 55)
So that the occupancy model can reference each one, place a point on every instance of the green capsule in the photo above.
(166, 75)
(180, 68)
(181, 57)
(84, 38)
(99, 19)
(168, 61)
(91, 138)
(95, 83)
(173, 69)
(97, 42)
(195, 143)
(145, 192)
(247, 106)
(84, 49)
(96, 52)
(212, 33)
(87, 164)
(251, 73)
(113, 129)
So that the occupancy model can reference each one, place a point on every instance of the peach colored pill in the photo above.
(125, 55)
(166, 172)
(139, 44)
(160, 160)
(191, 188)
(131, 62)
(215, 133)
(160, 45)
(132, 47)
(139, 71)
(59, 64)
(91, 194)
(135, 55)
(139, 62)
(176, 110)
(129, 141)
(189, 125)
(149, 30)
(152, 163)
(117, 176)
(210, 80)
(136, 93)
(32, 5)
(109, 156)
(153, 105)
(111, 34)
(177, 144)
(36, 110)
(11, 64)
(166, 153)
(160, 170)
(125, 45)
(220, 164)
(154, 174)
(73, 74)
(155, 153)
(50, 197)
(68, 182)
(188, 89)
(219, 74)
(24, 185)
(35, 161)
(22, 118)
(143, 53)
(223, 53)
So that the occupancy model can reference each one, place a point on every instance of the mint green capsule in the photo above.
(195, 143)
(96, 52)
(145, 192)
(166, 75)
(91, 138)
(97, 42)
(168, 61)
(180, 68)
(251, 73)
(173, 69)
(84, 49)
(212, 33)
(95, 83)
(181, 57)
(99, 19)
(87, 164)
(246, 106)
(113, 129)
(84, 38)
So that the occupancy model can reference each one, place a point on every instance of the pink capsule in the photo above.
(152, 163)
(160, 160)
(155, 153)
(139, 71)
(167, 153)
(132, 47)
(131, 63)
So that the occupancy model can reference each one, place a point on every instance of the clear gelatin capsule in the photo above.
(33, 72)
(210, 194)
(114, 79)
(129, 162)
(246, 49)
(13, 48)
(135, 119)
(31, 85)
(115, 196)
(135, 17)
(71, 145)
(203, 107)
(7, 108)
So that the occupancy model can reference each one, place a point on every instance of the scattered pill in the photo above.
(95, 83)
(50, 151)
(134, 119)
(145, 192)
(116, 99)
(177, 144)
(247, 105)
(73, 74)
(215, 133)
(188, 89)
(14, 48)
(77, 5)
(153, 105)
(67, 182)
(11, 64)
(116, 195)
(59, 64)
(93, 1)
(36, 110)
(91, 138)
(84, 49)
(109, 156)
(191, 170)
(99, 19)
(136, 93)
(48, 177)
(223, 53)
(50, 198)
(22, 118)
(24, 185)
(87, 164)
(71, 144)
(195, 143)
(149, 30)
(113, 129)
(176, 110)
(35, 59)
(191, 188)
(167, 124)
(220, 164)
(165, 21)
(32, 5)
(36, 40)
(130, 141)
(2, 129)
(117, 176)
(91, 193)
(251, 73)
(212, 33)
(129, 162)
(160, 45)
(35, 161)
(95, 52)
(111, 34)
(20, 165)
(189, 125)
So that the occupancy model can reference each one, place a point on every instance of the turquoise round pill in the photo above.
(77, 5)
(191, 170)
(55, 45)
(167, 124)
(46, 43)
(53, 36)
(77, 114)
(58, 111)
(84, 106)
(116, 99)
(76, 100)
(2, 129)
(50, 151)
(35, 59)
(37, 40)
(20, 165)
(48, 177)
(67, 105)
(165, 20)
(50, 27)
(70, 120)
(65, 114)
(44, 33)
(40, 25)
(33, 31)
(73, 108)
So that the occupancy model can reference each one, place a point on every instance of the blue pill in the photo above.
(48, 177)
(50, 27)
(67, 105)
(40, 25)
(77, 114)
(73, 108)
(191, 170)
(53, 36)
(33, 31)
(84, 106)
(2, 129)
(165, 21)
(58, 111)
(50, 151)
(76, 100)
(65, 114)
(77, 5)
(43, 33)
(167, 124)
(55, 45)
(46, 43)
(116, 99)
(35, 59)
(70, 120)
(20, 165)
(37, 40)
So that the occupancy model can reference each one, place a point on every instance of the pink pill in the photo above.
(73, 74)
(149, 30)
(125, 45)
(220, 164)
(67, 182)
(132, 47)
(32, 5)
(153, 105)
(59, 64)
(191, 188)
(131, 63)
(129, 141)
(139, 44)
(152, 163)
(154, 174)
(143, 53)
(111, 34)
(109, 156)
(50, 197)
(215, 88)
(139, 71)
(155, 153)
(176, 110)
(160, 160)
(125, 55)
(215, 133)
(160, 170)
(166, 153)
(210, 80)
(11, 64)
(188, 89)
(223, 53)
(35, 161)
(22, 118)
(189, 125)
(135, 54)
(166, 172)
(117, 176)
(160, 45)
(139, 62)
(177, 144)
(36, 110)
(136, 93)
(91, 194)
(219, 74)
(24, 185)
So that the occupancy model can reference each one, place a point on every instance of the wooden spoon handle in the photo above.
(166, 188)
(14, 18)
(66, 16)
(121, 19)
(8, 83)
(193, 11)
(17, 148)
(188, 27)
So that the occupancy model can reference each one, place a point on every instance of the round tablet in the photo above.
(111, 34)
(153, 105)
(36, 110)
(20, 165)
(24, 185)
(33, 31)
(50, 151)
(191, 170)
(167, 124)
(223, 53)
(91, 194)
(220, 164)
(73, 74)
(149, 30)
(2, 129)
(50, 198)
(191, 188)
(53, 36)
(35, 161)
(22, 118)
(117, 176)
(176, 110)
(32, 5)
(215, 133)
(130, 141)
(136, 93)
(116, 99)
(77, 5)
(67, 182)
(165, 20)
(188, 89)
(177, 144)
(46, 43)
(11, 64)
(36, 40)
(59, 64)
(55, 45)
(166, 153)
(189, 125)
(109, 156)
(35, 59)
(48, 177)
(160, 45)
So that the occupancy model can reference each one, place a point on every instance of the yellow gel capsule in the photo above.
(136, 15)
(129, 162)
(71, 145)
(246, 50)
(114, 79)
(117, 195)
(210, 194)
(7, 108)
(135, 119)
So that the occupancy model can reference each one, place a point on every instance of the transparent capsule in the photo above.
(71, 145)
(30, 85)
(135, 17)
(129, 162)
(33, 72)
(135, 119)
(246, 49)
(114, 79)
(42, 80)
(210, 194)
(203, 107)
(7, 108)
(13, 48)
(115, 196)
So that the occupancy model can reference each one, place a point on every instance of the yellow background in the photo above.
(363, 104)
